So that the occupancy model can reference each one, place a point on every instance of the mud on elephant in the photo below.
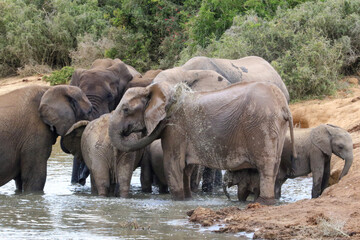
(192, 126)
(31, 118)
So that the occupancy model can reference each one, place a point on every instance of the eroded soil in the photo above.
(334, 215)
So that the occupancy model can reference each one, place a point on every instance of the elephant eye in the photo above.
(126, 110)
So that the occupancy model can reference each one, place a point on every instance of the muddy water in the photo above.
(71, 212)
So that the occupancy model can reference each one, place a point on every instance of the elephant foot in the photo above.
(178, 196)
(266, 201)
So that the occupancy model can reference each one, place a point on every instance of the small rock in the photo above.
(25, 80)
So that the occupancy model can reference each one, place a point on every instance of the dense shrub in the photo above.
(44, 31)
(62, 76)
(310, 45)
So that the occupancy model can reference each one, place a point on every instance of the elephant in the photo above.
(31, 118)
(314, 148)
(247, 69)
(110, 169)
(247, 181)
(197, 80)
(104, 84)
(240, 126)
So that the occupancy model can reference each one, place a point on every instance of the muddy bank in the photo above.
(336, 214)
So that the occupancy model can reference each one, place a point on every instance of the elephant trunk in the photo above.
(128, 144)
(348, 163)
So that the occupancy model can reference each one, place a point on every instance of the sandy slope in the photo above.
(336, 214)
(12, 83)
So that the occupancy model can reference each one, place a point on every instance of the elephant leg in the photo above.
(75, 171)
(187, 180)
(317, 164)
(267, 181)
(84, 173)
(101, 175)
(280, 179)
(124, 171)
(326, 176)
(243, 192)
(146, 176)
(208, 180)
(18, 183)
(163, 188)
(218, 178)
(93, 185)
(34, 167)
(195, 178)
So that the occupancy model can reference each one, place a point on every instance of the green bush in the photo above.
(311, 46)
(62, 76)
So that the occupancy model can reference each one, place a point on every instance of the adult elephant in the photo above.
(197, 80)
(247, 69)
(241, 126)
(314, 148)
(31, 118)
(110, 169)
(104, 85)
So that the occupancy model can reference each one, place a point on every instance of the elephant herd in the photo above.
(177, 124)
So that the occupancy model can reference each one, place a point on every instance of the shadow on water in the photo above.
(65, 211)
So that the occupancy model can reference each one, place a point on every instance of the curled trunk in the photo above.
(128, 144)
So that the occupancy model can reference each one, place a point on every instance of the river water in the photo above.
(66, 211)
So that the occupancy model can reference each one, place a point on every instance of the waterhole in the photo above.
(66, 211)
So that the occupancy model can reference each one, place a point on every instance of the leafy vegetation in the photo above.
(62, 76)
(311, 43)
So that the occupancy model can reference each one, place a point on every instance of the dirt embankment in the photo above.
(336, 214)
(12, 83)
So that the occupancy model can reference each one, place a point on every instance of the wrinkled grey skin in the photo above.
(314, 148)
(247, 180)
(197, 80)
(31, 118)
(247, 69)
(104, 84)
(241, 126)
(110, 169)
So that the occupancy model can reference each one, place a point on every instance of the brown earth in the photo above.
(334, 215)
(12, 83)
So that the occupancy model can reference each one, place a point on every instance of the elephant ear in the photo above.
(71, 142)
(75, 78)
(156, 105)
(121, 71)
(321, 138)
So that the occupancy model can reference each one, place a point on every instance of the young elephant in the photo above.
(110, 169)
(31, 118)
(247, 181)
(241, 126)
(314, 148)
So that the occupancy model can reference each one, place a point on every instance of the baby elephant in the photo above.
(314, 147)
(110, 169)
(247, 180)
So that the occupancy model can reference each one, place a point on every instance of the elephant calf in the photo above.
(110, 169)
(314, 147)
(247, 180)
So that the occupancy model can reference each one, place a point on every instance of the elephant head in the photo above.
(332, 139)
(62, 106)
(104, 83)
(141, 110)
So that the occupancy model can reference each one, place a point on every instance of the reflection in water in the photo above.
(70, 212)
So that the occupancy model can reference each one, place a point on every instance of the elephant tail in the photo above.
(288, 117)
